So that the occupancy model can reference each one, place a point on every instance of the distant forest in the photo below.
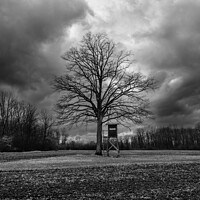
(164, 138)
(24, 128)
(152, 139)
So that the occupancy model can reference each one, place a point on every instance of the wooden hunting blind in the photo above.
(110, 140)
(112, 130)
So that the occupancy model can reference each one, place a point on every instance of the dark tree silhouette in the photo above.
(99, 86)
(47, 121)
(7, 112)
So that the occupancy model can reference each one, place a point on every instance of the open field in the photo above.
(66, 159)
(82, 175)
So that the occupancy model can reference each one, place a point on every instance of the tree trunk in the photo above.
(99, 136)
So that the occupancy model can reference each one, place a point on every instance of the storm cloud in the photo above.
(165, 39)
(31, 36)
(176, 51)
(163, 35)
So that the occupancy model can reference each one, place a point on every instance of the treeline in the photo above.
(171, 138)
(163, 138)
(22, 127)
(77, 145)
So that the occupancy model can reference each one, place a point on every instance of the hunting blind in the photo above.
(110, 140)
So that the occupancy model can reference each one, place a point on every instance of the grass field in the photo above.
(82, 175)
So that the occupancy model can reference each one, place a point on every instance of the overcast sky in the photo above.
(163, 34)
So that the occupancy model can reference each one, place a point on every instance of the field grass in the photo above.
(12, 156)
(82, 175)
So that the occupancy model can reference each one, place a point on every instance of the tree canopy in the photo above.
(99, 85)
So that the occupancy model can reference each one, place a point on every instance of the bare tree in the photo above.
(47, 121)
(7, 112)
(99, 86)
(30, 119)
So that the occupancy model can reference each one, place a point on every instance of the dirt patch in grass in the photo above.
(144, 181)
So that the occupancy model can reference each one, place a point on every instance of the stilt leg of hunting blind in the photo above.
(118, 152)
(107, 149)
(105, 143)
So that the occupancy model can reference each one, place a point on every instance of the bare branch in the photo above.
(98, 84)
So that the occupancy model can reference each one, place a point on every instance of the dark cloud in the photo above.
(175, 51)
(30, 39)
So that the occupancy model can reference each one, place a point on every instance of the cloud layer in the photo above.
(164, 36)
(176, 51)
(31, 37)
